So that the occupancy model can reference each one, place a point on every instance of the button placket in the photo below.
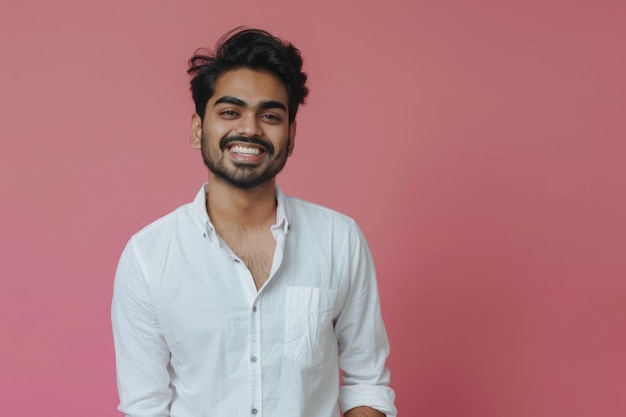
(255, 357)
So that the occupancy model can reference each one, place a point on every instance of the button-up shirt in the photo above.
(195, 338)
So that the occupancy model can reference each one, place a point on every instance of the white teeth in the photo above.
(245, 151)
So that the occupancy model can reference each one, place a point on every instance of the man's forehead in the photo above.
(250, 87)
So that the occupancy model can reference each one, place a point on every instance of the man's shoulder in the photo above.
(318, 215)
(165, 225)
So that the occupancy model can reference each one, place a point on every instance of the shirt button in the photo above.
(236, 260)
(253, 359)
(254, 411)
(253, 308)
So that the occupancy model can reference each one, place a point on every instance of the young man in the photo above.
(247, 301)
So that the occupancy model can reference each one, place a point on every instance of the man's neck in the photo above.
(233, 207)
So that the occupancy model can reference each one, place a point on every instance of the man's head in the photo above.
(254, 49)
(246, 94)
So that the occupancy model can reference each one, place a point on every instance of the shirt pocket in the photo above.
(308, 317)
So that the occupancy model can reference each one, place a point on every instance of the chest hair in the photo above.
(255, 247)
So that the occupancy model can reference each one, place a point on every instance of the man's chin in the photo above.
(245, 165)
(244, 175)
(243, 182)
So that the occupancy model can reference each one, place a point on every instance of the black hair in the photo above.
(255, 49)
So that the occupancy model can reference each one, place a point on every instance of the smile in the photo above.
(245, 150)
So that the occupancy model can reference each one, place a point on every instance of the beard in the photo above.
(243, 176)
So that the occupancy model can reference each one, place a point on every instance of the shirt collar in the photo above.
(283, 212)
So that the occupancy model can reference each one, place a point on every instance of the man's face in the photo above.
(246, 137)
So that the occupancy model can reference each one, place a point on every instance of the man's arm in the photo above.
(141, 353)
(363, 344)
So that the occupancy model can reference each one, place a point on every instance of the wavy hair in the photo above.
(250, 48)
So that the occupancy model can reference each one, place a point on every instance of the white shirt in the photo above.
(194, 337)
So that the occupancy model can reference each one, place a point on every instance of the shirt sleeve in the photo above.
(141, 353)
(363, 343)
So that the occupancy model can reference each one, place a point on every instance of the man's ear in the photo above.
(196, 131)
(292, 138)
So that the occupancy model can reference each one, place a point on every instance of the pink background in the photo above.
(479, 145)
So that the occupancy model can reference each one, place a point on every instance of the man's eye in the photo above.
(229, 113)
(271, 117)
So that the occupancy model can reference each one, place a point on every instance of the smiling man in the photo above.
(247, 301)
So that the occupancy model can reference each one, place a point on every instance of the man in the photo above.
(247, 301)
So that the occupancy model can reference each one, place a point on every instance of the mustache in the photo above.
(253, 139)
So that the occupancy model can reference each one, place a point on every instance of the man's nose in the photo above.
(249, 125)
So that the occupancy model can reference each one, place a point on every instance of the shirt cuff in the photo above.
(380, 397)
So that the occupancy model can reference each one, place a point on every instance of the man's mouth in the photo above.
(244, 150)
(247, 146)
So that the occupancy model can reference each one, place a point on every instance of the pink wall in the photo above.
(480, 146)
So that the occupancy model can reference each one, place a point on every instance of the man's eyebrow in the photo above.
(263, 105)
(272, 104)
(230, 100)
